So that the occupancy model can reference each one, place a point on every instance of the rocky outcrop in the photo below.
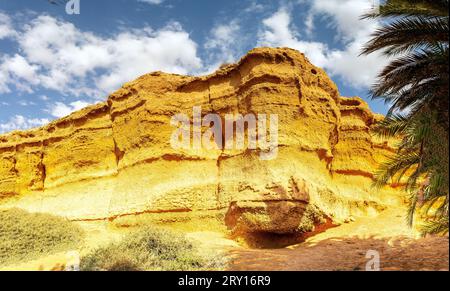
(115, 158)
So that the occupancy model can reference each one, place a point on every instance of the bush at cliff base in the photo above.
(26, 236)
(151, 248)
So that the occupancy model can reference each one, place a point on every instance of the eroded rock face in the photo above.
(281, 213)
(276, 216)
(114, 158)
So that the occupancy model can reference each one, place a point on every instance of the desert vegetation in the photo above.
(151, 248)
(26, 236)
(415, 85)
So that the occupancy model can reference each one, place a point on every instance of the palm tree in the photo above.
(415, 34)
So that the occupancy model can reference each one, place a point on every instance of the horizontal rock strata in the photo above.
(115, 158)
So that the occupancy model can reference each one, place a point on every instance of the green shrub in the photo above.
(311, 217)
(26, 236)
(150, 248)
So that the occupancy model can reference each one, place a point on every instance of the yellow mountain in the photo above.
(115, 159)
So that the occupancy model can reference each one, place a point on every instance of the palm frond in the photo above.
(407, 34)
(392, 125)
(388, 172)
(416, 82)
(412, 205)
(439, 226)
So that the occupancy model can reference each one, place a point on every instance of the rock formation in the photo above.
(115, 159)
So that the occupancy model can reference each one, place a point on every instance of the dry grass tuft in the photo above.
(151, 248)
(27, 236)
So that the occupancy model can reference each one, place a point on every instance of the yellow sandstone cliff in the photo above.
(114, 158)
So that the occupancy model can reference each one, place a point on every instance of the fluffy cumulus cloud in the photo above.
(18, 71)
(21, 122)
(278, 32)
(56, 55)
(345, 18)
(342, 15)
(59, 109)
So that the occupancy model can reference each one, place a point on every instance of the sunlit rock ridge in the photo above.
(115, 159)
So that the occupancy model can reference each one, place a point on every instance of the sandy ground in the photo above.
(345, 247)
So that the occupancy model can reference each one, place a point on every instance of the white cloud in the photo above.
(6, 29)
(223, 34)
(4, 80)
(278, 32)
(254, 7)
(25, 103)
(353, 33)
(56, 55)
(345, 16)
(222, 43)
(19, 66)
(17, 71)
(59, 109)
(153, 2)
(21, 122)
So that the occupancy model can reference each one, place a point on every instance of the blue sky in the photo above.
(52, 63)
